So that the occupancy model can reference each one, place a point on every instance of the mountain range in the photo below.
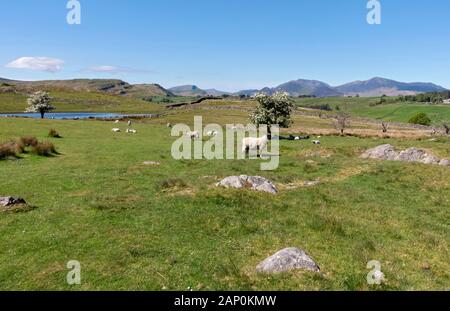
(373, 87)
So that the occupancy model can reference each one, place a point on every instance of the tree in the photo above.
(272, 110)
(342, 122)
(421, 119)
(39, 102)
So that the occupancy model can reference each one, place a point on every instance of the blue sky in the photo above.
(229, 44)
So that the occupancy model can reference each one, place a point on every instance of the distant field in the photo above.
(132, 227)
(391, 111)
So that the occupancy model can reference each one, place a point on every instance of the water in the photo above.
(74, 115)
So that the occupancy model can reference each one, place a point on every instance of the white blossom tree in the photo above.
(273, 110)
(39, 102)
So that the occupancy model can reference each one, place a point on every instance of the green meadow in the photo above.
(167, 227)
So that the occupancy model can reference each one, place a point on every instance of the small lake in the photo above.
(76, 115)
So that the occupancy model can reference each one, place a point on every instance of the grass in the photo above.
(141, 227)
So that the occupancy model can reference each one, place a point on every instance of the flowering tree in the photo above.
(272, 110)
(39, 102)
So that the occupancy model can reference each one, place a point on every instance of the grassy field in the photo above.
(168, 228)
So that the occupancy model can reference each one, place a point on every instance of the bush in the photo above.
(7, 150)
(45, 149)
(29, 141)
(54, 134)
(421, 119)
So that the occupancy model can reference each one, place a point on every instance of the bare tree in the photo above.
(342, 122)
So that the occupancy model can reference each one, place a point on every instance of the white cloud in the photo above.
(46, 64)
(114, 69)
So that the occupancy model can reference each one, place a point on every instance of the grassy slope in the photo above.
(96, 203)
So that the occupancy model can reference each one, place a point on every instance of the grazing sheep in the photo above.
(117, 122)
(316, 142)
(193, 135)
(116, 130)
(131, 131)
(252, 143)
(297, 138)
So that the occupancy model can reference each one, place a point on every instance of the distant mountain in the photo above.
(379, 86)
(214, 92)
(297, 88)
(188, 90)
(307, 88)
(110, 86)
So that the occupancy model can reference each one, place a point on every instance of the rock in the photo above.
(152, 163)
(251, 182)
(416, 155)
(286, 260)
(444, 162)
(383, 152)
(10, 201)
(387, 152)
(311, 183)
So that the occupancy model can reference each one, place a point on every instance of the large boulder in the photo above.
(256, 183)
(416, 155)
(387, 152)
(383, 152)
(287, 260)
(10, 201)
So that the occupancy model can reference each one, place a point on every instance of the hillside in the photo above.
(188, 90)
(108, 86)
(379, 86)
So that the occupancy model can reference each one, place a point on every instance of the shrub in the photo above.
(421, 119)
(7, 150)
(45, 149)
(54, 134)
(29, 141)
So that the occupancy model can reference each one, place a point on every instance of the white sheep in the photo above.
(116, 130)
(193, 135)
(129, 123)
(252, 143)
(116, 122)
(131, 131)
(316, 142)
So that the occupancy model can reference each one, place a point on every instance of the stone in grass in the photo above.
(257, 183)
(10, 201)
(444, 162)
(286, 260)
(152, 163)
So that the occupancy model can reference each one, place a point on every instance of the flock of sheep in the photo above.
(248, 143)
(128, 130)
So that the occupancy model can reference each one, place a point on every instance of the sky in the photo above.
(226, 44)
